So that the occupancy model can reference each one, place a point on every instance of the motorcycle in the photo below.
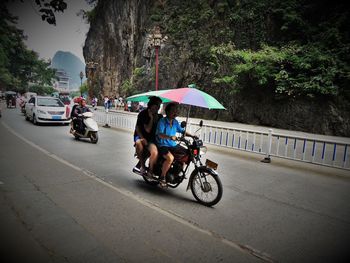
(90, 129)
(204, 181)
(11, 101)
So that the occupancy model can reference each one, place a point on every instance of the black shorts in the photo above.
(163, 150)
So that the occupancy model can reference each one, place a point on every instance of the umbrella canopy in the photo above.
(144, 97)
(188, 96)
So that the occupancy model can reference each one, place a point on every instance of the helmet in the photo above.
(77, 100)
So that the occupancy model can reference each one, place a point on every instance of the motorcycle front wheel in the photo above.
(206, 187)
(93, 137)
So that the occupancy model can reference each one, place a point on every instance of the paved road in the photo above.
(65, 200)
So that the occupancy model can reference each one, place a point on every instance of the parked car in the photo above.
(44, 109)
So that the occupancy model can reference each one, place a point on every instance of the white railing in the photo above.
(331, 153)
(323, 152)
(116, 119)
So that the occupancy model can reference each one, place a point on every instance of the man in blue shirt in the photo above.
(166, 138)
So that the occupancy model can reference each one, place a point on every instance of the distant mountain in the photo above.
(71, 64)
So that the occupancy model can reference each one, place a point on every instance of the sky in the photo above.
(68, 35)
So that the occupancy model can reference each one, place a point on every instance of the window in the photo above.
(49, 102)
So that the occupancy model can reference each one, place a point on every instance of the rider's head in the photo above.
(154, 104)
(77, 100)
(171, 110)
(82, 102)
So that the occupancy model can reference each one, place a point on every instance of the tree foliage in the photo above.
(18, 65)
(127, 88)
(293, 70)
(84, 89)
(48, 9)
(293, 47)
(304, 52)
(41, 89)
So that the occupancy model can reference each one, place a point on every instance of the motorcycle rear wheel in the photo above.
(208, 193)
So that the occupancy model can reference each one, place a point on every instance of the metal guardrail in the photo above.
(330, 153)
(116, 119)
(323, 152)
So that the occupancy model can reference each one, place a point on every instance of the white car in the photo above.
(40, 109)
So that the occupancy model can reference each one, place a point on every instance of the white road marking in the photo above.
(1, 182)
(246, 249)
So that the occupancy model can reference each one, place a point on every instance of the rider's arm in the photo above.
(138, 132)
(139, 124)
(160, 132)
(190, 135)
(166, 137)
(148, 126)
(182, 130)
(76, 111)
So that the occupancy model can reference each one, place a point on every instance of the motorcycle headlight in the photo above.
(41, 112)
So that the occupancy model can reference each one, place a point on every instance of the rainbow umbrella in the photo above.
(188, 96)
(144, 97)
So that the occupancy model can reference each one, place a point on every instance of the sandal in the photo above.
(163, 184)
(149, 175)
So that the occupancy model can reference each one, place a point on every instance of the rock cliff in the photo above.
(114, 43)
(118, 48)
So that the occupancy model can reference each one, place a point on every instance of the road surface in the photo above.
(64, 200)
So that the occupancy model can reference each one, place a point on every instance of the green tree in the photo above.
(18, 65)
(291, 47)
(41, 89)
(127, 88)
(84, 88)
(293, 70)
(48, 8)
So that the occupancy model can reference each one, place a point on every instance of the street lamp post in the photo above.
(156, 41)
(81, 75)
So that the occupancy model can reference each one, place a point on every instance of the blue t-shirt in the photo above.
(164, 127)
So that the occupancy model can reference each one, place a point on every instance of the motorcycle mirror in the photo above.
(183, 124)
(201, 123)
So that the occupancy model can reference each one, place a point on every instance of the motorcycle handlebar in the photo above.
(183, 139)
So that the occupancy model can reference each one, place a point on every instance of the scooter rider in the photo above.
(144, 135)
(166, 138)
(78, 111)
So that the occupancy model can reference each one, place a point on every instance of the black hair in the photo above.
(170, 106)
(154, 100)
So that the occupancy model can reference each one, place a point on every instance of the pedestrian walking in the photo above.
(105, 103)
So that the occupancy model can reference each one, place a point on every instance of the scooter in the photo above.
(90, 129)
